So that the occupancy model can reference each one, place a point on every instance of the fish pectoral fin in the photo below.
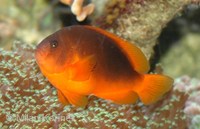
(153, 87)
(82, 69)
(120, 97)
(76, 99)
(62, 98)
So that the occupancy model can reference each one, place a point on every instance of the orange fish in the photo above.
(84, 60)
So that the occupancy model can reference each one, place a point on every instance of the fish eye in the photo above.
(54, 43)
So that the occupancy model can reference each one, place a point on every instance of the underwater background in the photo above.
(168, 32)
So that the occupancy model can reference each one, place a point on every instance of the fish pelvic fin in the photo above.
(62, 98)
(153, 87)
(76, 99)
(82, 69)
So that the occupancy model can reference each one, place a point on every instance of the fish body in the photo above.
(84, 60)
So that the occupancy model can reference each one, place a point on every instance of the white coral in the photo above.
(78, 9)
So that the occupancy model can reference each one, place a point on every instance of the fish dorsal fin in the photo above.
(82, 69)
(134, 54)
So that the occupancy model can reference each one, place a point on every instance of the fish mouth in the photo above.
(40, 54)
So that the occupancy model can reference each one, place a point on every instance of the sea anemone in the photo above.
(27, 99)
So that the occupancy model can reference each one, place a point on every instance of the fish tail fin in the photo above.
(153, 87)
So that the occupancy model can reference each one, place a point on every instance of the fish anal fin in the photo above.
(134, 54)
(120, 97)
(153, 87)
(76, 99)
(62, 98)
(82, 69)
